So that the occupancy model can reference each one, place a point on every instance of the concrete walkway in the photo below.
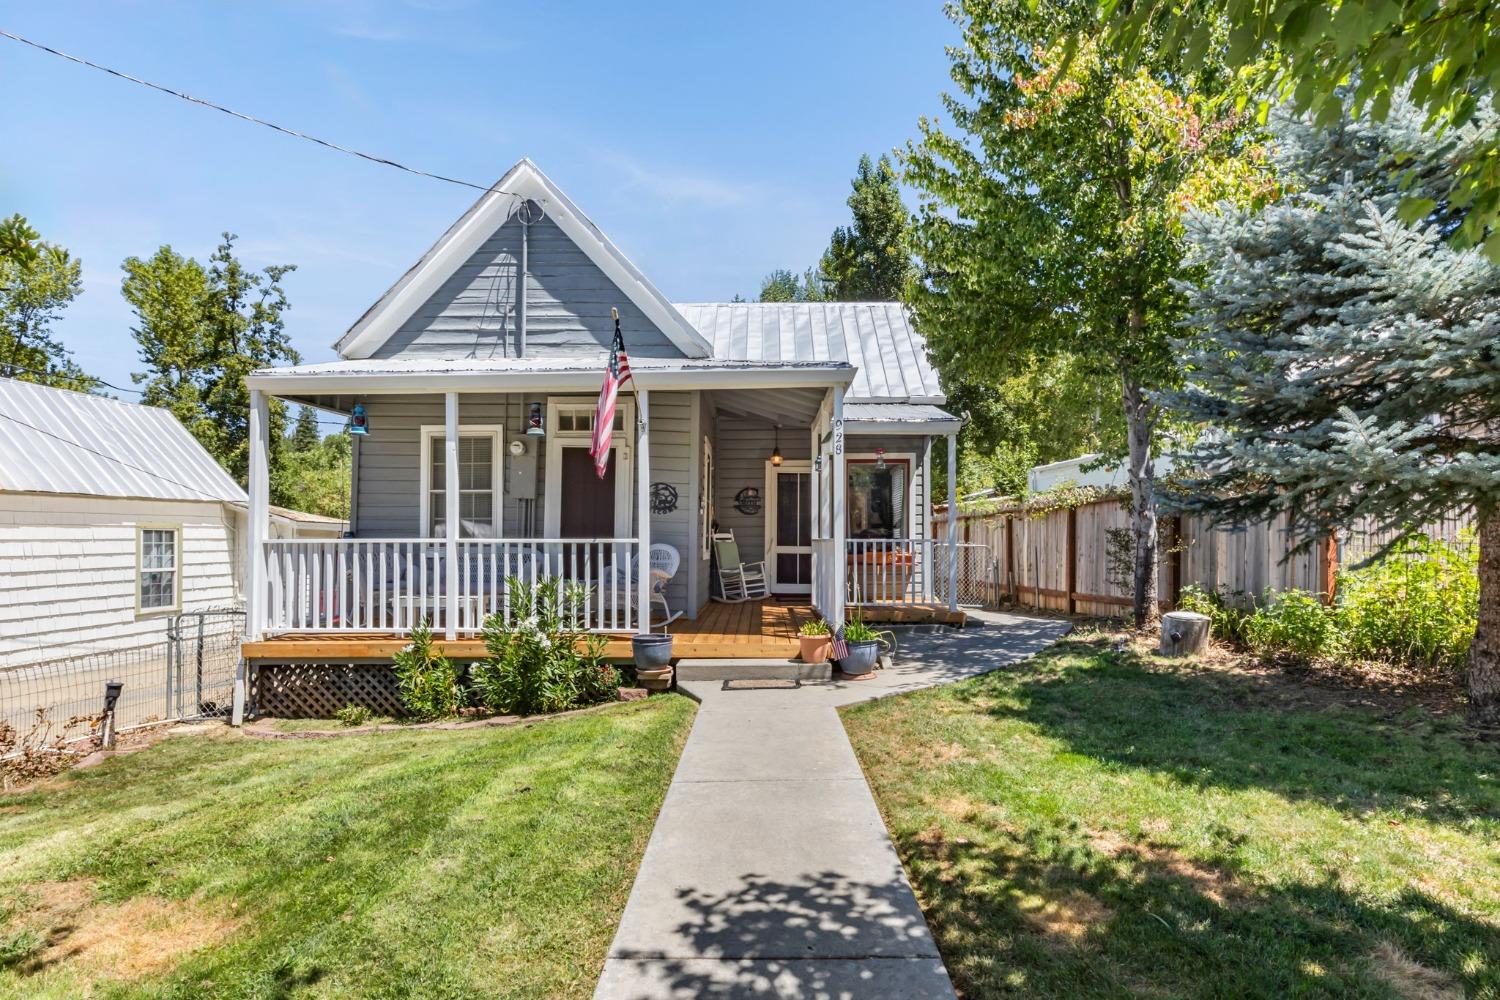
(770, 873)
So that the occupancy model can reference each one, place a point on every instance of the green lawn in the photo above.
(488, 862)
(1102, 823)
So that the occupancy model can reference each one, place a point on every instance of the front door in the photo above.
(587, 502)
(789, 527)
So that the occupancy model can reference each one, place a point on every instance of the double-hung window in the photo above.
(479, 491)
(158, 558)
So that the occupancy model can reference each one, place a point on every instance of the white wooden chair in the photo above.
(739, 581)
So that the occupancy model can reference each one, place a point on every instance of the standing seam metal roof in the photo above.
(58, 441)
(876, 337)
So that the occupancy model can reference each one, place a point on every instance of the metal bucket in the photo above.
(652, 652)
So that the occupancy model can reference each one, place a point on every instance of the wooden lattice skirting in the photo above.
(318, 690)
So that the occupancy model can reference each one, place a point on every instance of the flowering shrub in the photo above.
(536, 664)
(427, 680)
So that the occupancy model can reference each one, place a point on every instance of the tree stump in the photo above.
(1183, 633)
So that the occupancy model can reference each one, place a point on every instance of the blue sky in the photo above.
(713, 142)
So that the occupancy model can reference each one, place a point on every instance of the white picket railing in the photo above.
(392, 585)
(892, 570)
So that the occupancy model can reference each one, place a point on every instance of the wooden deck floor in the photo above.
(753, 630)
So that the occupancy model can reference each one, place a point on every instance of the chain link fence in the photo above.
(187, 675)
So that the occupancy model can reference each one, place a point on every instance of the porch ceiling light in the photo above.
(776, 451)
(534, 425)
(879, 458)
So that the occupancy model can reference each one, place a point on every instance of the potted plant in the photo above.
(653, 660)
(865, 645)
(815, 638)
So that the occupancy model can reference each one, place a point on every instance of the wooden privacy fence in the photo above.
(1078, 559)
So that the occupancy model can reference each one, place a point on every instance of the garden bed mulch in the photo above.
(264, 728)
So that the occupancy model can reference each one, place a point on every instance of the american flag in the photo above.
(615, 375)
(840, 648)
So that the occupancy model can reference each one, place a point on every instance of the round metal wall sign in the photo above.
(663, 498)
(747, 500)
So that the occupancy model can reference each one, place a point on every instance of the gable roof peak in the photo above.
(523, 182)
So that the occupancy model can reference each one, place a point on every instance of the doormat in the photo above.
(761, 685)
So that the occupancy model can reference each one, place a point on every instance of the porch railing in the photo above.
(915, 571)
(392, 585)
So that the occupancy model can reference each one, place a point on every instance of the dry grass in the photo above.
(1409, 979)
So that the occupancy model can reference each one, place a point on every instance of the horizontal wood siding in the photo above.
(673, 459)
(741, 450)
(706, 429)
(568, 301)
(68, 571)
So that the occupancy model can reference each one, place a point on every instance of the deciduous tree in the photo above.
(37, 282)
(200, 330)
(1050, 223)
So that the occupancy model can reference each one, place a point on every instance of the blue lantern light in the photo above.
(358, 422)
(534, 427)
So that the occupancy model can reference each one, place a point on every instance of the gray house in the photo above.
(803, 430)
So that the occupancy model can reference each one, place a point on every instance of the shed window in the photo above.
(158, 569)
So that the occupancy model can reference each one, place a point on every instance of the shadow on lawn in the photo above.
(1045, 912)
(1209, 729)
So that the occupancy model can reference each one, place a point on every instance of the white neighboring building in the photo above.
(113, 518)
(1069, 472)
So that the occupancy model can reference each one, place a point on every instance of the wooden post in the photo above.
(1330, 567)
(1010, 560)
(840, 568)
(256, 532)
(450, 514)
(642, 510)
(952, 522)
(1070, 574)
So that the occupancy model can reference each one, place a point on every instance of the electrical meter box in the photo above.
(520, 467)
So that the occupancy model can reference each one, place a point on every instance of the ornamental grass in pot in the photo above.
(865, 645)
(815, 638)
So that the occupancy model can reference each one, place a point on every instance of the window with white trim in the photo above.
(158, 556)
(580, 419)
(479, 492)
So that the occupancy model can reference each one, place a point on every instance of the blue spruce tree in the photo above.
(1347, 362)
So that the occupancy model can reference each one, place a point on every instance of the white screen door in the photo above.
(789, 527)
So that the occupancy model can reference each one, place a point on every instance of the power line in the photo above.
(13, 367)
(107, 458)
(384, 161)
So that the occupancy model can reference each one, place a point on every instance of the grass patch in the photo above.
(485, 862)
(1101, 822)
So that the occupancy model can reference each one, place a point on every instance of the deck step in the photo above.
(751, 669)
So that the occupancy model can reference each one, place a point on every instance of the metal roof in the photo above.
(876, 337)
(58, 441)
(893, 417)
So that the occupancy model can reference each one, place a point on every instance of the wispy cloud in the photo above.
(678, 187)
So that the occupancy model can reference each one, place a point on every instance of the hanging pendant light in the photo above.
(776, 451)
(534, 426)
(879, 458)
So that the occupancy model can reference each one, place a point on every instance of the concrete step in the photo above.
(749, 669)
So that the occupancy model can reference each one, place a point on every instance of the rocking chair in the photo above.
(739, 581)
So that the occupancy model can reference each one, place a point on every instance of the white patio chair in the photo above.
(664, 562)
(739, 581)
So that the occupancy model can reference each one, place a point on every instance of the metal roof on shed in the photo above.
(58, 441)
(876, 337)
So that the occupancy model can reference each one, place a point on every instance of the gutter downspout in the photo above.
(525, 215)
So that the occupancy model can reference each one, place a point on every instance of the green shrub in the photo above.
(1293, 623)
(427, 680)
(536, 665)
(1416, 608)
(1226, 617)
(815, 627)
(352, 715)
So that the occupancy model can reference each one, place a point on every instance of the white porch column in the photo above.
(952, 522)
(928, 534)
(259, 519)
(450, 514)
(840, 477)
(642, 511)
(256, 532)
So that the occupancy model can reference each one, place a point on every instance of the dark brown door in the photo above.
(587, 502)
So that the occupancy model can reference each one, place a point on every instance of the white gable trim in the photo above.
(489, 213)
